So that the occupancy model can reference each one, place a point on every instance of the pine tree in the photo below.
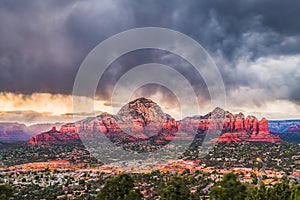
(116, 188)
(175, 189)
(295, 193)
(230, 188)
(258, 193)
(6, 192)
(279, 191)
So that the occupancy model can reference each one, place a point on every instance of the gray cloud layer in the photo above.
(42, 43)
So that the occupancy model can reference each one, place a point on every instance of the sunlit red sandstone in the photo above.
(143, 118)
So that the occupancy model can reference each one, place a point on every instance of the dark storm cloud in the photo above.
(129, 61)
(225, 25)
(42, 43)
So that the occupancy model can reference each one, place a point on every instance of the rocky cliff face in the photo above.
(143, 119)
(53, 136)
(140, 119)
(234, 127)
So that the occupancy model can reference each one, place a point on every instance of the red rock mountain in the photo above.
(235, 127)
(142, 119)
(53, 136)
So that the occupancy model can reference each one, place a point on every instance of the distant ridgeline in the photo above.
(16, 132)
(288, 130)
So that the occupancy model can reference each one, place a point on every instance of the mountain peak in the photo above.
(143, 110)
(141, 115)
(142, 101)
(218, 113)
(218, 110)
(53, 130)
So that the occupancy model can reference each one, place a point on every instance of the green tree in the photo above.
(116, 188)
(230, 188)
(133, 195)
(279, 191)
(6, 192)
(175, 189)
(295, 193)
(254, 178)
(258, 193)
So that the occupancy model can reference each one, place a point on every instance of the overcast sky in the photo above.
(255, 44)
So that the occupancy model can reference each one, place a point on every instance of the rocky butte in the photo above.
(53, 136)
(143, 119)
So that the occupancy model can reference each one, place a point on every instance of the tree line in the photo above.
(121, 187)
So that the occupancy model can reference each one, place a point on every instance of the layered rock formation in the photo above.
(143, 119)
(232, 127)
(140, 119)
(53, 136)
